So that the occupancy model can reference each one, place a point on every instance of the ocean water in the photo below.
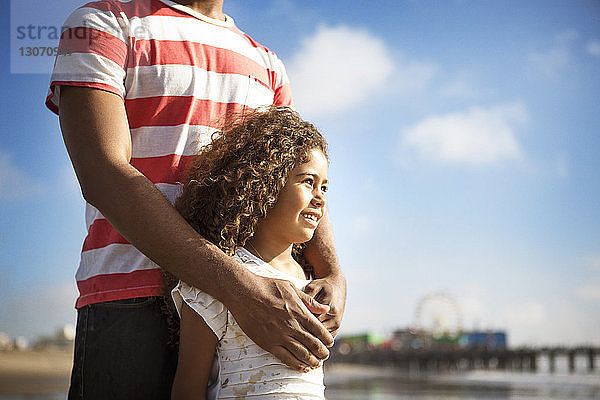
(368, 383)
(372, 384)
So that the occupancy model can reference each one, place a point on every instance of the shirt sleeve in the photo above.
(92, 52)
(283, 90)
(210, 309)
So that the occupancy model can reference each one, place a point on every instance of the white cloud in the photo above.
(526, 314)
(554, 61)
(473, 312)
(556, 321)
(14, 184)
(338, 68)
(477, 136)
(412, 76)
(589, 292)
(593, 47)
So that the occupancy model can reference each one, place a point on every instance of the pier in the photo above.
(444, 360)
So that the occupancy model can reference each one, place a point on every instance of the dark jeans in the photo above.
(123, 350)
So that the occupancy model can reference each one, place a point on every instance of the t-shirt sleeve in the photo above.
(210, 309)
(92, 52)
(283, 91)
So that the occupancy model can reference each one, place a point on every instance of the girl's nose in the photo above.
(318, 198)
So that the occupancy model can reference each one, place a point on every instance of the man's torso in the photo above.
(180, 75)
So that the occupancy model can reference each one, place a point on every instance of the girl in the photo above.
(258, 192)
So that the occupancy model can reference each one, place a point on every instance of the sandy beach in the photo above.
(24, 373)
(42, 375)
(34, 372)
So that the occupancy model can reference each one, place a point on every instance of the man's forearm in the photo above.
(97, 137)
(320, 252)
(329, 287)
(137, 209)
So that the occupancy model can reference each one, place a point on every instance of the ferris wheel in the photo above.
(438, 313)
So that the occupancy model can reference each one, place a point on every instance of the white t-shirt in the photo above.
(241, 368)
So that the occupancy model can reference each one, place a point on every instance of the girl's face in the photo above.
(301, 202)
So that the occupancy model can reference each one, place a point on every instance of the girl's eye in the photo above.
(323, 189)
(310, 181)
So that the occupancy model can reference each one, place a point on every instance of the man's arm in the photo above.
(96, 134)
(329, 286)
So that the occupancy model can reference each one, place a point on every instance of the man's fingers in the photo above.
(312, 289)
(313, 305)
(314, 344)
(301, 353)
(331, 324)
(313, 326)
(288, 329)
(320, 290)
(288, 359)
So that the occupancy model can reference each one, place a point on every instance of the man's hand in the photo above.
(279, 318)
(332, 292)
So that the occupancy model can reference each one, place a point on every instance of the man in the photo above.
(138, 85)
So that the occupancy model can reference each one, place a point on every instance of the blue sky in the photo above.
(464, 141)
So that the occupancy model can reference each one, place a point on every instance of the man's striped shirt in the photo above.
(180, 74)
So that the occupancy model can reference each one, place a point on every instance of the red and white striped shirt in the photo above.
(179, 73)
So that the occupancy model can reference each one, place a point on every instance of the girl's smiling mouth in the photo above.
(312, 218)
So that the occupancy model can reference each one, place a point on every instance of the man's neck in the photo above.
(210, 8)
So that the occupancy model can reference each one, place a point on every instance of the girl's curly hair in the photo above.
(235, 179)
